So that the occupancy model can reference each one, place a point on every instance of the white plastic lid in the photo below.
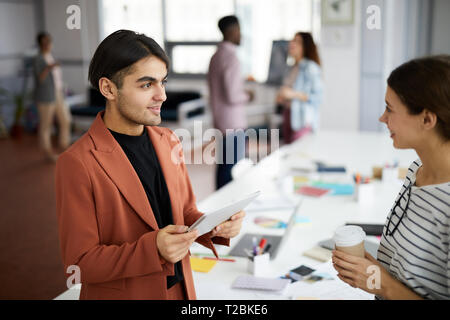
(348, 236)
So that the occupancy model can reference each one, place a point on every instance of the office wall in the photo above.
(73, 47)
(19, 22)
(404, 35)
(341, 72)
(20, 17)
(440, 38)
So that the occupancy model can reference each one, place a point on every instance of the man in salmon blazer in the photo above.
(123, 194)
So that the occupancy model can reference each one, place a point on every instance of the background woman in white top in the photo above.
(414, 255)
(49, 97)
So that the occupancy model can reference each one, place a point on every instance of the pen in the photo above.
(255, 248)
(249, 253)
(219, 259)
(262, 243)
(267, 248)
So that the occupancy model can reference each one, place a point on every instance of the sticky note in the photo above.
(202, 265)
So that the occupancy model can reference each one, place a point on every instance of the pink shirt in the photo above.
(227, 96)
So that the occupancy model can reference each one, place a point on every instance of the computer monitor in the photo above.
(278, 62)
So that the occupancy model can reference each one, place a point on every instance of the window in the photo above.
(264, 21)
(143, 16)
(188, 28)
(195, 20)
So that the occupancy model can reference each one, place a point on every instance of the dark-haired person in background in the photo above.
(302, 90)
(49, 97)
(414, 254)
(124, 198)
(227, 98)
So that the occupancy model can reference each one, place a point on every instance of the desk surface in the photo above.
(358, 152)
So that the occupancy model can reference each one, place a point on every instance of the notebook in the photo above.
(259, 283)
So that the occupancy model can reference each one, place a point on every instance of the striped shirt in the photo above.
(418, 253)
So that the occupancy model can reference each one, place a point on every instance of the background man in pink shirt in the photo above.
(228, 98)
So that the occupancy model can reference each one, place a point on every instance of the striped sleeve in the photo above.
(448, 267)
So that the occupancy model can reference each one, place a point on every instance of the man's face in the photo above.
(238, 35)
(235, 32)
(46, 44)
(143, 92)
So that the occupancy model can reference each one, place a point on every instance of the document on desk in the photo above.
(210, 220)
(327, 290)
(334, 289)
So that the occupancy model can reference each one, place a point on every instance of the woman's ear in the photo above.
(429, 119)
(107, 88)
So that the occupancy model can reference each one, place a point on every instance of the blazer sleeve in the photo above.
(79, 234)
(190, 211)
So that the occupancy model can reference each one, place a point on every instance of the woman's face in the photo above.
(296, 47)
(405, 128)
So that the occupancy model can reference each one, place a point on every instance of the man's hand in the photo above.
(229, 228)
(173, 242)
(251, 95)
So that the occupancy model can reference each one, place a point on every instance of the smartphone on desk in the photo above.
(300, 272)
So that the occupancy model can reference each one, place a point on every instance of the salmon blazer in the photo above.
(106, 224)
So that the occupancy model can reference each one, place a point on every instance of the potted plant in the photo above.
(17, 129)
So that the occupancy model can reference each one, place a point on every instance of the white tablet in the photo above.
(210, 220)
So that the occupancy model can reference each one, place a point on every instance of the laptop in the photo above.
(276, 242)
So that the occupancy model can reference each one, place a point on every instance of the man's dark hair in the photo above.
(41, 35)
(226, 22)
(117, 53)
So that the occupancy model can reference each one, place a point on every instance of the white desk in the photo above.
(359, 152)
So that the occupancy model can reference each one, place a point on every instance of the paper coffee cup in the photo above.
(350, 239)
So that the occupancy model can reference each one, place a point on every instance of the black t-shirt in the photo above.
(143, 158)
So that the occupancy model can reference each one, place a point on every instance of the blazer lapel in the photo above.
(114, 161)
(169, 169)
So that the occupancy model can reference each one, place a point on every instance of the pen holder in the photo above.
(364, 193)
(258, 265)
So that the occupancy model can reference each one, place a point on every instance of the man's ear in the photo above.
(107, 88)
(429, 119)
